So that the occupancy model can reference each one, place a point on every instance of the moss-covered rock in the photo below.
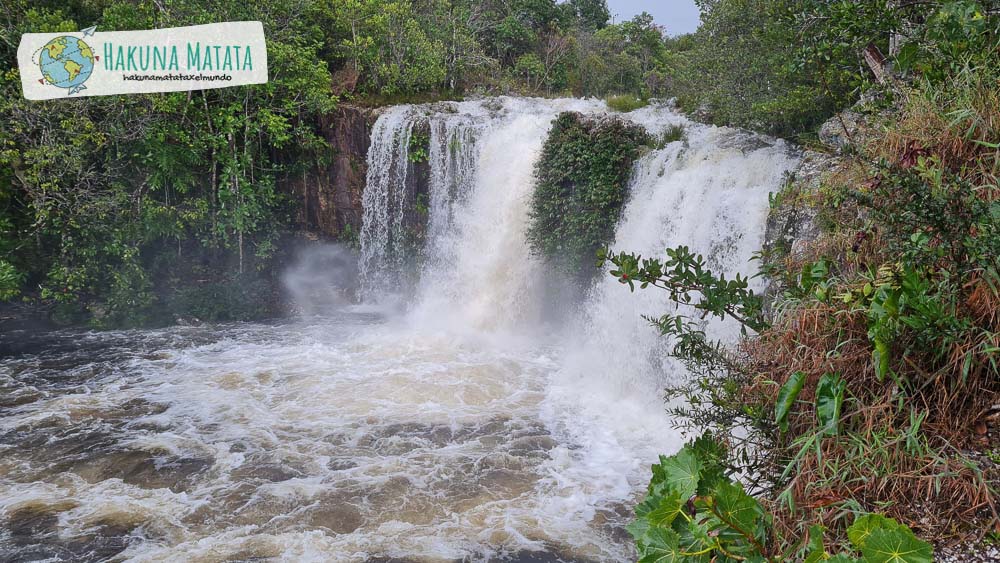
(582, 183)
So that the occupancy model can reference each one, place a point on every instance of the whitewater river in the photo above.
(459, 415)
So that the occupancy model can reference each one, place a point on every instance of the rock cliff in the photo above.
(329, 197)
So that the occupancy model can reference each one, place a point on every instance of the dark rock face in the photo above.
(841, 130)
(329, 198)
(417, 189)
(792, 223)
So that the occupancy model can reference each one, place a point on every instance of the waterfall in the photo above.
(476, 264)
(453, 157)
(384, 200)
(708, 191)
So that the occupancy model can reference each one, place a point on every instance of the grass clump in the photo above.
(625, 104)
(671, 134)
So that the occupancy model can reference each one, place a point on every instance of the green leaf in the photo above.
(681, 472)
(829, 399)
(695, 537)
(880, 357)
(815, 549)
(638, 528)
(661, 546)
(666, 512)
(739, 510)
(896, 546)
(786, 398)
(864, 525)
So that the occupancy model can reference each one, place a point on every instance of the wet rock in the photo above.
(841, 130)
(330, 197)
(792, 223)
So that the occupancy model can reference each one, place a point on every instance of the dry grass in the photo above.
(958, 124)
(902, 451)
(881, 462)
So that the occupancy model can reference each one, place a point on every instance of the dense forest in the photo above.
(862, 400)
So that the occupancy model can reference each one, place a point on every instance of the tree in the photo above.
(592, 14)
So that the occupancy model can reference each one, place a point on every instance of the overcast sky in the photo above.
(678, 16)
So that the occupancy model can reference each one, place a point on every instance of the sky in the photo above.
(678, 16)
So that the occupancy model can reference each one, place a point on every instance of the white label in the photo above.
(99, 63)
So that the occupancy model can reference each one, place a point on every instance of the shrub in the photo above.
(10, 281)
(581, 186)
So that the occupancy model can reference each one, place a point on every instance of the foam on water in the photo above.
(467, 427)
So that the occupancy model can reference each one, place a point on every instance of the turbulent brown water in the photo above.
(456, 420)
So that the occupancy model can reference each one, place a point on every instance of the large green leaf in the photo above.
(666, 512)
(896, 546)
(638, 528)
(661, 546)
(739, 511)
(829, 399)
(710, 456)
(786, 398)
(864, 525)
(681, 472)
(696, 538)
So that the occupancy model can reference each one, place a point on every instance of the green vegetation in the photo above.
(672, 134)
(581, 186)
(120, 208)
(694, 512)
(404, 47)
(626, 103)
(862, 388)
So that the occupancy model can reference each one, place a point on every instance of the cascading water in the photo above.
(384, 199)
(467, 427)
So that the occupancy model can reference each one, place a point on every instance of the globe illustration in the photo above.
(66, 62)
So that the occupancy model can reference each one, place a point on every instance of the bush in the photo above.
(581, 186)
(10, 281)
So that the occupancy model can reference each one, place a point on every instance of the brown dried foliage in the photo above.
(959, 131)
(930, 489)
(924, 479)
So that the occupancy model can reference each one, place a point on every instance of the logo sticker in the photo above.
(96, 63)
